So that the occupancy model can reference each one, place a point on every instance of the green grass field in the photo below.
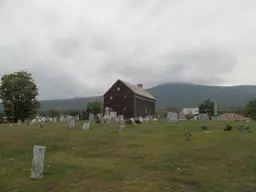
(149, 157)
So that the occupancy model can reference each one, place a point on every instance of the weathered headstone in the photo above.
(100, 117)
(38, 162)
(188, 135)
(62, 119)
(77, 117)
(121, 128)
(86, 126)
(121, 119)
(72, 122)
(91, 118)
(55, 119)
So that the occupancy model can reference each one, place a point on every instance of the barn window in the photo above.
(118, 88)
(111, 98)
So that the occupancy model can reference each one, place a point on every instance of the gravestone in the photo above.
(137, 121)
(55, 120)
(77, 117)
(121, 128)
(188, 135)
(68, 118)
(19, 122)
(129, 121)
(72, 122)
(100, 117)
(107, 115)
(91, 118)
(121, 119)
(38, 162)
(62, 119)
(86, 126)
(117, 120)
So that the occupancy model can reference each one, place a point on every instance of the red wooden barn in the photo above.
(129, 100)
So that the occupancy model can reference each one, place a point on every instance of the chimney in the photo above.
(140, 86)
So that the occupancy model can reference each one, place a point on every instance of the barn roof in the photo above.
(137, 90)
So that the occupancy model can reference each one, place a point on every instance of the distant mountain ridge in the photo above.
(177, 95)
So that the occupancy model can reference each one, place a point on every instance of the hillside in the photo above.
(175, 95)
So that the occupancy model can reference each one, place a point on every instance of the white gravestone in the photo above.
(72, 122)
(86, 126)
(141, 119)
(107, 115)
(77, 117)
(55, 120)
(19, 122)
(91, 118)
(62, 119)
(38, 162)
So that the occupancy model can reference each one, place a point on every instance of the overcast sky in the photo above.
(81, 47)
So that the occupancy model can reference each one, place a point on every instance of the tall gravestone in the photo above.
(107, 115)
(72, 122)
(62, 119)
(19, 122)
(38, 162)
(100, 117)
(55, 120)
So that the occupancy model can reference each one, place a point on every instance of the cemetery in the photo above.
(110, 153)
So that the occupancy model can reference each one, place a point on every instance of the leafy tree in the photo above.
(18, 93)
(93, 107)
(207, 107)
(250, 109)
(53, 113)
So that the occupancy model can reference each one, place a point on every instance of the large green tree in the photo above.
(18, 93)
(250, 109)
(207, 106)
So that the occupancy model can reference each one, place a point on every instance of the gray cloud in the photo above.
(80, 48)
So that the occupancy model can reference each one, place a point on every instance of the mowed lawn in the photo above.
(149, 157)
